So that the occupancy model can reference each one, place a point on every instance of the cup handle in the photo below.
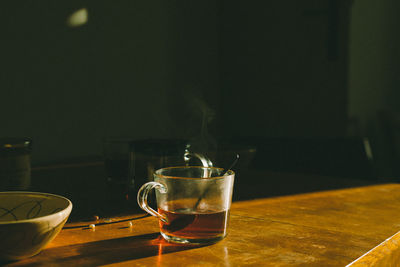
(142, 198)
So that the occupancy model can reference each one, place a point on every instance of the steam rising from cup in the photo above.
(202, 143)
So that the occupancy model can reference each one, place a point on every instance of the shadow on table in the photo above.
(105, 252)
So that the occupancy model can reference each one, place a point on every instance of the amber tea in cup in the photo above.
(193, 203)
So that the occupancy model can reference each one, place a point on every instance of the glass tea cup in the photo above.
(193, 203)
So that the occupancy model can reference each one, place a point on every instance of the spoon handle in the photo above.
(233, 164)
(209, 187)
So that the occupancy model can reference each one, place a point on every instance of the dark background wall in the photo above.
(374, 79)
(285, 67)
(120, 74)
(154, 68)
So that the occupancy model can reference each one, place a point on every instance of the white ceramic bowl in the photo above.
(29, 221)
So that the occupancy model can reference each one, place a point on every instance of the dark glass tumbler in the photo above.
(15, 163)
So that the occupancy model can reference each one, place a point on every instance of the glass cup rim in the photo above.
(230, 173)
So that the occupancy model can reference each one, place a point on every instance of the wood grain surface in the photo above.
(327, 228)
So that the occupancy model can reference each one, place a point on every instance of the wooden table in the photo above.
(356, 226)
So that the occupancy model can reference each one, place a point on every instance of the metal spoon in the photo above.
(182, 222)
(233, 164)
(224, 173)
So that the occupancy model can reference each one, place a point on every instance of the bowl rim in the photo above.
(67, 209)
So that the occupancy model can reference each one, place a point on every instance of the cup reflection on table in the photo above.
(193, 203)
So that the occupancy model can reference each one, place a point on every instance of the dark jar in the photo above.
(15, 163)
